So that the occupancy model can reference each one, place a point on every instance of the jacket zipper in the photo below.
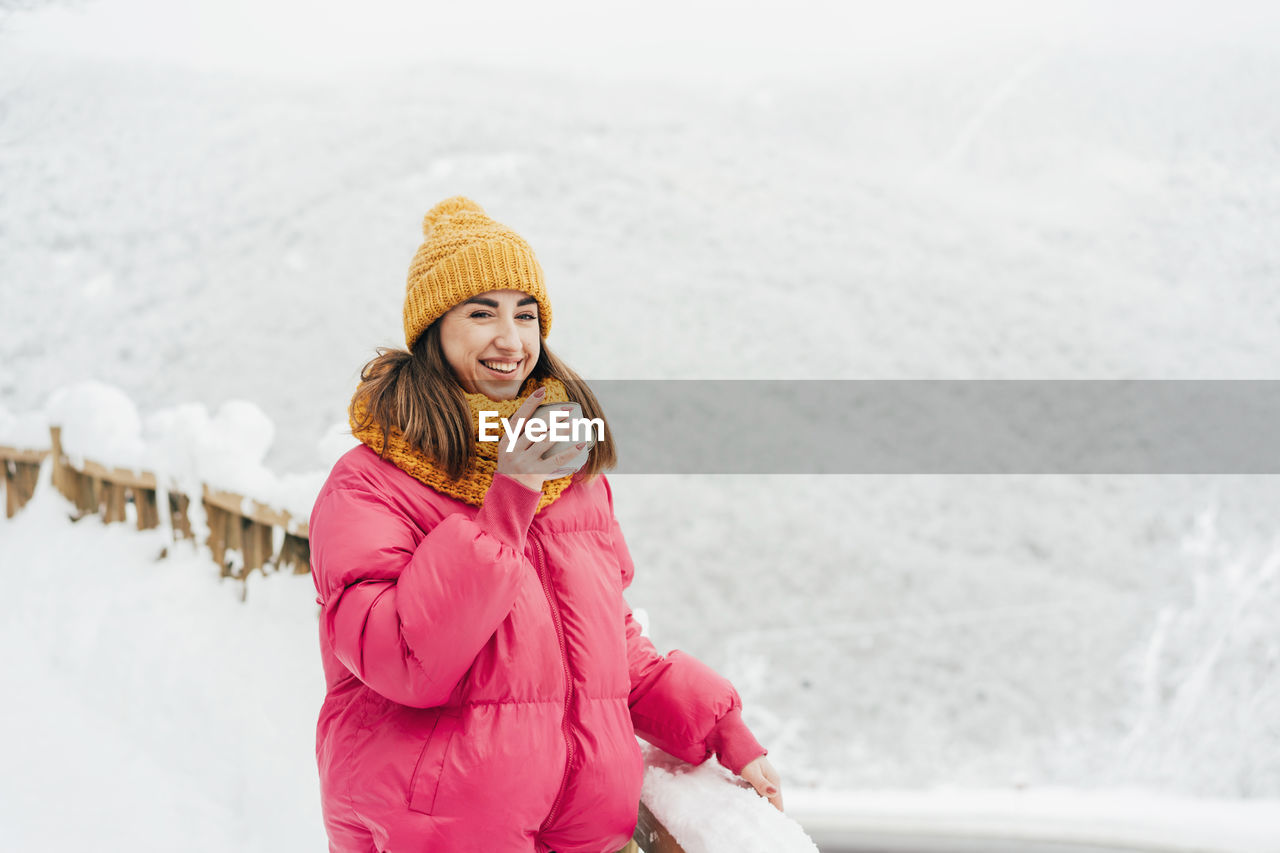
(568, 678)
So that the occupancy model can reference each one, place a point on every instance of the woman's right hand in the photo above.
(765, 780)
(523, 462)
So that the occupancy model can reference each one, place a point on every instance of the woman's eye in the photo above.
(485, 315)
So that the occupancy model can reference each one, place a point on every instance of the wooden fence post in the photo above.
(178, 519)
(216, 518)
(295, 553)
(87, 493)
(21, 473)
(233, 527)
(115, 501)
(144, 500)
(10, 489)
(62, 480)
(257, 546)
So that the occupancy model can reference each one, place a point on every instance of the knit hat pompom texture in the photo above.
(466, 253)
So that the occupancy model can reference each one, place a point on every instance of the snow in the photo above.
(183, 445)
(24, 430)
(707, 812)
(151, 709)
(206, 216)
(1113, 819)
(98, 422)
(295, 494)
(227, 451)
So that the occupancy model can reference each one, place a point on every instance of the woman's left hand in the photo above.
(764, 779)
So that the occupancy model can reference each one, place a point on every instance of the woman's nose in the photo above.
(508, 336)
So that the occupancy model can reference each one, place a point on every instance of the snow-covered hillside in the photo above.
(1036, 208)
(1075, 214)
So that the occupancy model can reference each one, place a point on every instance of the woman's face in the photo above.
(492, 342)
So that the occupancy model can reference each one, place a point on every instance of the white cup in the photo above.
(543, 413)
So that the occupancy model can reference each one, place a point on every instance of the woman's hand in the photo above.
(764, 779)
(523, 462)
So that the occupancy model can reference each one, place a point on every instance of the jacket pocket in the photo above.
(431, 763)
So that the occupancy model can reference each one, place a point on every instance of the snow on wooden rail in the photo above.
(706, 809)
(242, 524)
(243, 535)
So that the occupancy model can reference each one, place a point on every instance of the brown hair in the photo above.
(416, 392)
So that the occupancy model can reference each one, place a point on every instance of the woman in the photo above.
(485, 677)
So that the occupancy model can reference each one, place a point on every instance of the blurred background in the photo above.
(218, 201)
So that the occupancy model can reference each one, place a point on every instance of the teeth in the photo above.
(501, 366)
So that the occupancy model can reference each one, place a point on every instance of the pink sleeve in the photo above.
(408, 620)
(678, 703)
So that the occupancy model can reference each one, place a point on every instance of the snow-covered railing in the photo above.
(24, 443)
(237, 523)
(94, 488)
(197, 476)
(241, 532)
(687, 809)
(706, 809)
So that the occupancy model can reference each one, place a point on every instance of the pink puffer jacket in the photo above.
(485, 677)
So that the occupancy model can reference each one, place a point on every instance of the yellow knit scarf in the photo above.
(472, 486)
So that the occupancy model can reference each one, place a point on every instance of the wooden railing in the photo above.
(242, 533)
(241, 524)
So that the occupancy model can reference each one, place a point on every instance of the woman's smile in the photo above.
(502, 368)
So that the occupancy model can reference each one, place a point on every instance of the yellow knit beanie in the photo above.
(466, 253)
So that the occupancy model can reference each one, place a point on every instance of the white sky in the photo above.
(669, 38)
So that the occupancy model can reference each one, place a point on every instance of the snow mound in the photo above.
(24, 431)
(227, 451)
(98, 422)
(183, 445)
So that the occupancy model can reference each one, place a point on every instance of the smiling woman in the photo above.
(486, 679)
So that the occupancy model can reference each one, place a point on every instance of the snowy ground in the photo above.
(1100, 204)
(149, 709)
